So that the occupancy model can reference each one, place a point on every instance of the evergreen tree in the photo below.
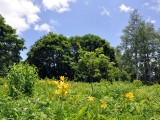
(10, 46)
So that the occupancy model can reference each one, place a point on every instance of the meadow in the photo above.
(65, 100)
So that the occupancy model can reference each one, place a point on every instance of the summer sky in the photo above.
(106, 18)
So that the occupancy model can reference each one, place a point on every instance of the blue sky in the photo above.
(106, 18)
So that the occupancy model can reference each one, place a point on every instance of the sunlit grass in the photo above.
(120, 100)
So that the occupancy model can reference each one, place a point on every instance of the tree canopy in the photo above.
(55, 55)
(10, 46)
(50, 54)
(138, 53)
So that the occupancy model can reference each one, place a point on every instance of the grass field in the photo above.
(117, 101)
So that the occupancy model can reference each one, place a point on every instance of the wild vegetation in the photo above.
(139, 52)
(60, 100)
(81, 77)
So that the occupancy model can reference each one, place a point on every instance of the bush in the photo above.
(3, 81)
(92, 66)
(137, 83)
(22, 78)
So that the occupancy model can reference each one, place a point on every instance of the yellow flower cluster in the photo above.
(62, 87)
(91, 98)
(129, 96)
(103, 105)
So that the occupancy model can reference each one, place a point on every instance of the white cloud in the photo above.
(151, 21)
(44, 27)
(124, 8)
(105, 12)
(146, 4)
(19, 14)
(156, 6)
(59, 6)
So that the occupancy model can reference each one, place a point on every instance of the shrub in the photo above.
(92, 66)
(137, 83)
(3, 81)
(22, 78)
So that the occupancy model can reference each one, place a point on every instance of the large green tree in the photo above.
(147, 51)
(92, 66)
(56, 55)
(51, 55)
(156, 62)
(10, 46)
(90, 42)
(138, 52)
(130, 43)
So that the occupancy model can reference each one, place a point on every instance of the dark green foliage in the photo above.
(90, 43)
(94, 66)
(22, 78)
(10, 47)
(50, 55)
(55, 55)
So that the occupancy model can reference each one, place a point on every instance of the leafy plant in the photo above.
(137, 83)
(22, 78)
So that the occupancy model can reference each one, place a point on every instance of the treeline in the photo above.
(88, 58)
(83, 58)
(139, 52)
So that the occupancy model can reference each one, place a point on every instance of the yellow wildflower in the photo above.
(65, 93)
(49, 82)
(60, 85)
(56, 83)
(129, 96)
(90, 98)
(103, 105)
(58, 92)
(62, 78)
(66, 86)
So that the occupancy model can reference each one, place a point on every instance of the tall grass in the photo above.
(109, 102)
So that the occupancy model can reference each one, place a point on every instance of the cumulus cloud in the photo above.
(44, 27)
(125, 8)
(19, 14)
(156, 5)
(151, 20)
(59, 6)
(105, 12)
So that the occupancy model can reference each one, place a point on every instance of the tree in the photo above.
(90, 42)
(92, 66)
(155, 64)
(10, 46)
(55, 55)
(147, 50)
(130, 43)
(95, 66)
(138, 52)
(51, 55)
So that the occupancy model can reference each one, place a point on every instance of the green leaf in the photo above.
(88, 115)
(81, 113)
(102, 117)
